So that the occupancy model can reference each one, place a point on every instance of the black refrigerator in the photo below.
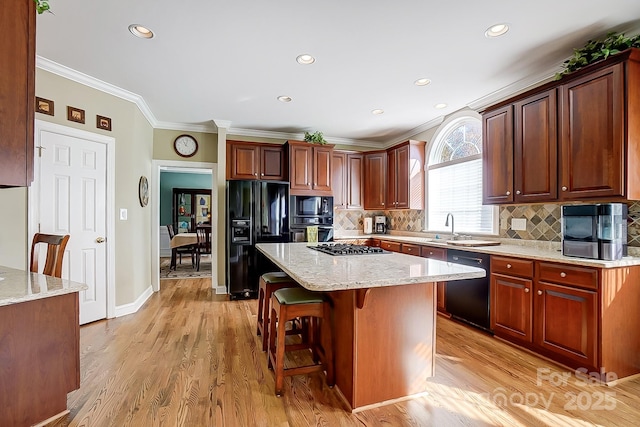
(257, 212)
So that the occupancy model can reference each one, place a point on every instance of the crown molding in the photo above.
(299, 137)
(86, 80)
(413, 132)
(187, 127)
(222, 124)
(514, 89)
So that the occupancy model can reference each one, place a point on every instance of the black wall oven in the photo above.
(311, 211)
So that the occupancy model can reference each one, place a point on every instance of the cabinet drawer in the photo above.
(568, 274)
(374, 242)
(512, 266)
(408, 248)
(435, 253)
(390, 246)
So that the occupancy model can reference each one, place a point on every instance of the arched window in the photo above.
(454, 179)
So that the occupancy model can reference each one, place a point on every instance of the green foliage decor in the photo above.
(596, 50)
(42, 6)
(315, 137)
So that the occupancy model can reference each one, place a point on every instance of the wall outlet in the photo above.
(518, 224)
(123, 214)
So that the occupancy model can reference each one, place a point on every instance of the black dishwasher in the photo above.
(468, 300)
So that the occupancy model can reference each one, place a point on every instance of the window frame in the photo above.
(443, 131)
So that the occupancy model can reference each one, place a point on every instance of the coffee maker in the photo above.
(380, 224)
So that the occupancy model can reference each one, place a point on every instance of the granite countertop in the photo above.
(541, 251)
(19, 286)
(318, 271)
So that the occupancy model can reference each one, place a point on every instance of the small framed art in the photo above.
(103, 122)
(44, 106)
(75, 114)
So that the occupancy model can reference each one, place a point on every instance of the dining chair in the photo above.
(204, 243)
(191, 249)
(55, 253)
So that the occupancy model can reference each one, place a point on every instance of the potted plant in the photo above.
(596, 50)
(315, 138)
(42, 6)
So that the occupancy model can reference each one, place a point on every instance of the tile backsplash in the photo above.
(543, 221)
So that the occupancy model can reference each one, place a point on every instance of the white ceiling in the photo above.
(229, 60)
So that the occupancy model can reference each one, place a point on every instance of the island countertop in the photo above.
(19, 286)
(318, 271)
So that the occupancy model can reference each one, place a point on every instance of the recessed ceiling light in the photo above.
(284, 98)
(440, 106)
(305, 59)
(140, 31)
(422, 82)
(377, 111)
(496, 30)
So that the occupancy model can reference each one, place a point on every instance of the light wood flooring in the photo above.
(191, 358)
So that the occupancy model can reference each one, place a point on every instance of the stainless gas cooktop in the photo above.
(347, 249)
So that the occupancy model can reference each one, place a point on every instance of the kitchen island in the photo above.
(39, 346)
(384, 311)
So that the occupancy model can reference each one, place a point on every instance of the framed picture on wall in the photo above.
(75, 114)
(103, 122)
(44, 106)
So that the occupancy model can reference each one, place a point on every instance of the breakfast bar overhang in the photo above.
(384, 309)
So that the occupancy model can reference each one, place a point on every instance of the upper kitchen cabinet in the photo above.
(348, 168)
(17, 86)
(246, 160)
(375, 180)
(405, 184)
(310, 169)
(520, 151)
(573, 139)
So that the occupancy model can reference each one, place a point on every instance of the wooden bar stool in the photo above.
(314, 309)
(269, 283)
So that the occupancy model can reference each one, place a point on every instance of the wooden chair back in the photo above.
(55, 253)
(204, 239)
(170, 230)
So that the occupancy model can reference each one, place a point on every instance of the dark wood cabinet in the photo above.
(391, 246)
(246, 160)
(348, 168)
(566, 323)
(536, 149)
(191, 207)
(375, 180)
(574, 139)
(592, 137)
(441, 287)
(406, 176)
(17, 86)
(511, 313)
(497, 156)
(310, 169)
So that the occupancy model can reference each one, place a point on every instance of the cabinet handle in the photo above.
(517, 191)
(308, 184)
(563, 274)
(508, 193)
(508, 265)
(382, 203)
(262, 174)
(430, 253)
(539, 292)
(526, 290)
(564, 188)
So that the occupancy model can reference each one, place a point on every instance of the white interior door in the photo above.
(72, 198)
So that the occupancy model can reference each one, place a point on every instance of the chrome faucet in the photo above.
(454, 236)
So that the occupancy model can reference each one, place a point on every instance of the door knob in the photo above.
(100, 240)
(517, 191)
(539, 292)
(508, 265)
(526, 290)
(563, 274)
(508, 193)
(564, 188)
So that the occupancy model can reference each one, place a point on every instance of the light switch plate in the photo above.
(123, 214)
(518, 224)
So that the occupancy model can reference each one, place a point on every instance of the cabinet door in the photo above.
(272, 165)
(392, 178)
(402, 177)
(340, 179)
(391, 246)
(497, 156)
(511, 307)
(300, 160)
(566, 324)
(441, 287)
(355, 163)
(244, 160)
(592, 135)
(535, 148)
(17, 87)
(375, 179)
(322, 168)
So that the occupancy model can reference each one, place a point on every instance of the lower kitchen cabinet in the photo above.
(409, 249)
(441, 287)
(511, 311)
(566, 324)
(391, 246)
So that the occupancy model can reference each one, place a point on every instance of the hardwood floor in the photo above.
(191, 358)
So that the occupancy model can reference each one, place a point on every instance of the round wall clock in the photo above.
(185, 145)
(143, 191)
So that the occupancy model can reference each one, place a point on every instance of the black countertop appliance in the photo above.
(257, 212)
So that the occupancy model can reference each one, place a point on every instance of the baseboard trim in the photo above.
(123, 310)
(220, 290)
